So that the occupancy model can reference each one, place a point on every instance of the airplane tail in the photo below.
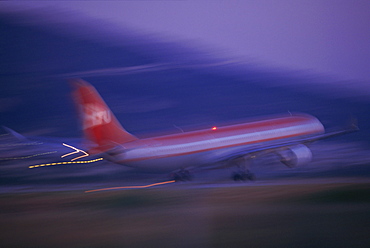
(99, 124)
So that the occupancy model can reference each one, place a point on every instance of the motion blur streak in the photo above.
(30, 156)
(76, 151)
(21, 144)
(130, 187)
(59, 163)
(115, 71)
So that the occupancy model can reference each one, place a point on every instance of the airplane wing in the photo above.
(17, 136)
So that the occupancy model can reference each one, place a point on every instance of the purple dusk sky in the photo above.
(330, 37)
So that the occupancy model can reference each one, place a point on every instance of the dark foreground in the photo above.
(302, 215)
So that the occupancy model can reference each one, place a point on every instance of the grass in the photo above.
(321, 215)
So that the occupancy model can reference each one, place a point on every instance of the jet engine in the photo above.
(294, 156)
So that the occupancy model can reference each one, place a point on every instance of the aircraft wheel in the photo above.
(181, 176)
(251, 176)
(238, 176)
(243, 176)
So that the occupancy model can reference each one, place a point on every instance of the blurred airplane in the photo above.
(233, 145)
(35, 149)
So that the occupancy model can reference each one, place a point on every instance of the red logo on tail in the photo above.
(95, 115)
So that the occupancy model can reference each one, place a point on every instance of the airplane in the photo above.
(178, 154)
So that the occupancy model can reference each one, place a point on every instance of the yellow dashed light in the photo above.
(59, 163)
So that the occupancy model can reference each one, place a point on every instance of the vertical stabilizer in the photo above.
(98, 122)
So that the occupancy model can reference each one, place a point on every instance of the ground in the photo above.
(312, 214)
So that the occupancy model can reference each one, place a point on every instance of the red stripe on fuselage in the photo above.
(233, 130)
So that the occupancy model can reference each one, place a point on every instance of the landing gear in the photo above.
(243, 175)
(181, 176)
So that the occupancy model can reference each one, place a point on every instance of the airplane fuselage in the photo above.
(198, 148)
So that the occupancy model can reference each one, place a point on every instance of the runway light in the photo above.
(214, 128)
(59, 163)
(76, 151)
(130, 187)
